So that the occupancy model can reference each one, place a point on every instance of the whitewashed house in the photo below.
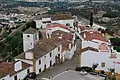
(14, 70)
(42, 54)
(96, 50)
(67, 37)
(61, 18)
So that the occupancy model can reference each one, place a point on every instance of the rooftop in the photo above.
(7, 68)
(42, 47)
(30, 31)
(53, 25)
(94, 35)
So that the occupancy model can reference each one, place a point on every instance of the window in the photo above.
(103, 64)
(39, 70)
(39, 62)
(58, 48)
(28, 70)
(28, 35)
(15, 77)
(50, 54)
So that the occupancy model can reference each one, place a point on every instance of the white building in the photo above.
(96, 50)
(67, 37)
(30, 37)
(50, 51)
(14, 70)
(61, 18)
(59, 44)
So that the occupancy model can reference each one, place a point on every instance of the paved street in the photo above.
(68, 64)
(74, 75)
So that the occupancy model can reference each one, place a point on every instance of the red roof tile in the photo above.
(90, 35)
(7, 68)
(57, 25)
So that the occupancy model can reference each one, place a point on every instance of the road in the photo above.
(86, 22)
(74, 75)
(51, 72)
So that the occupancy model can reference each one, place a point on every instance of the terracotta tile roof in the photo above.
(30, 31)
(82, 28)
(103, 47)
(7, 68)
(42, 47)
(90, 35)
(89, 48)
(65, 39)
(53, 25)
(24, 66)
(46, 45)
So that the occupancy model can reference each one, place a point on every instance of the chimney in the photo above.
(18, 66)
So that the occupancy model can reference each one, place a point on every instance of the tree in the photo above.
(115, 41)
(91, 18)
(31, 24)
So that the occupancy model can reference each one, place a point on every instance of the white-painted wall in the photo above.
(29, 55)
(28, 42)
(46, 19)
(18, 66)
(46, 59)
(39, 24)
(59, 28)
(26, 61)
(99, 41)
(69, 53)
(90, 57)
(21, 75)
(86, 43)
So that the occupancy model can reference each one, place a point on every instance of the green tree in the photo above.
(31, 24)
(91, 18)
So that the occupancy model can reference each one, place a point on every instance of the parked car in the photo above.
(85, 68)
(31, 75)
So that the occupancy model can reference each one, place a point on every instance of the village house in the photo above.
(67, 37)
(49, 51)
(96, 49)
(61, 18)
(16, 70)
